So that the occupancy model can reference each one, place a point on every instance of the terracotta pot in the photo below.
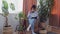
(7, 30)
(36, 28)
(28, 32)
(49, 28)
(43, 31)
(43, 25)
(21, 32)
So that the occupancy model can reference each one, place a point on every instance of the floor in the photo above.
(53, 31)
(14, 23)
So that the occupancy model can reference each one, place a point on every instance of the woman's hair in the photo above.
(33, 6)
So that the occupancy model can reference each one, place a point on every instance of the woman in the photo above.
(32, 17)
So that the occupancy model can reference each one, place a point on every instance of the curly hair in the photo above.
(33, 6)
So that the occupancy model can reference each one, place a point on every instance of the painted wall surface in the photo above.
(54, 20)
(27, 5)
(55, 17)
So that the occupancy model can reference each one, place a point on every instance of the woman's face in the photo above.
(33, 9)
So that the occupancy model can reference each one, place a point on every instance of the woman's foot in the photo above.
(33, 33)
(28, 27)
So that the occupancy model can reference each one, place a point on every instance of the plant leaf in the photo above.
(12, 6)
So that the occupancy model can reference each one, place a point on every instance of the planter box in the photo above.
(49, 28)
(7, 30)
(43, 31)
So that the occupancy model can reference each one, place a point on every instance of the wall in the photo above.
(54, 20)
(55, 17)
(27, 5)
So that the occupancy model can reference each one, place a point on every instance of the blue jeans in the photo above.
(32, 21)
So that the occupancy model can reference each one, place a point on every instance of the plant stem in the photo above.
(6, 21)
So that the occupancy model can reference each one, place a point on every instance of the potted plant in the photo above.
(5, 11)
(21, 23)
(21, 29)
(5, 14)
(45, 7)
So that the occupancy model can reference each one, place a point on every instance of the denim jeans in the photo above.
(32, 21)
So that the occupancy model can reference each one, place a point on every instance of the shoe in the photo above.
(27, 29)
(33, 33)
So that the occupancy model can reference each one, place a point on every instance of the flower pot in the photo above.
(7, 30)
(21, 32)
(36, 28)
(49, 28)
(28, 32)
(43, 31)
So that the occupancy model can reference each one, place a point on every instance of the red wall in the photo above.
(55, 17)
(55, 13)
(27, 5)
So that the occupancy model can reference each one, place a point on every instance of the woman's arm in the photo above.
(28, 14)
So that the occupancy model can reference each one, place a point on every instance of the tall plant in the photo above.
(5, 11)
(45, 7)
(21, 16)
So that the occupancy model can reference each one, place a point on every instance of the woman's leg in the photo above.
(30, 22)
(28, 27)
(32, 26)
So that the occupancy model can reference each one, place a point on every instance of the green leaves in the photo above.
(21, 27)
(45, 7)
(5, 5)
(20, 14)
(5, 8)
(12, 6)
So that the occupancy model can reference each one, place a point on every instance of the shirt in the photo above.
(34, 14)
